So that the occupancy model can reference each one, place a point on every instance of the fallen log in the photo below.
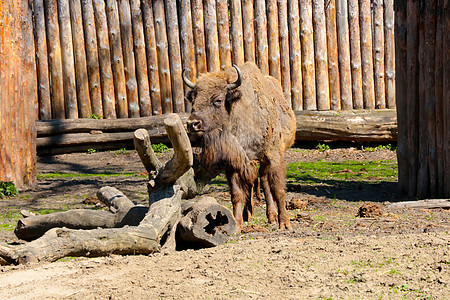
(424, 204)
(60, 136)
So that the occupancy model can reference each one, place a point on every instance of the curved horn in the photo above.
(238, 82)
(187, 81)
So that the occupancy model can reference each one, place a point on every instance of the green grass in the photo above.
(160, 148)
(57, 175)
(320, 171)
(7, 189)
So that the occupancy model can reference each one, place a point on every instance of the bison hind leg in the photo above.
(271, 211)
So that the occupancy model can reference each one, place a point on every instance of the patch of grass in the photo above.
(46, 211)
(58, 175)
(91, 151)
(322, 147)
(121, 151)
(379, 147)
(7, 227)
(7, 189)
(342, 172)
(8, 219)
(95, 116)
(160, 148)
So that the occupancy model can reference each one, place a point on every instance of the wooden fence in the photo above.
(423, 97)
(124, 58)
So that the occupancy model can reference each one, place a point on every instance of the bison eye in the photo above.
(218, 103)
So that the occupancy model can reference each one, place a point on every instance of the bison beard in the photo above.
(244, 123)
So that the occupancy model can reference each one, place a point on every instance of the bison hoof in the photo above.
(272, 218)
(285, 225)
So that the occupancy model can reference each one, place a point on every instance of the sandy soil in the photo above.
(329, 254)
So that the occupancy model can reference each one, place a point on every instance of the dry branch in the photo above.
(422, 204)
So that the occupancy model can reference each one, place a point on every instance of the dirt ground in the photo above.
(329, 254)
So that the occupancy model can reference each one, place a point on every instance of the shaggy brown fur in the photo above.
(253, 123)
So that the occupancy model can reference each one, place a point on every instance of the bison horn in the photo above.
(187, 81)
(238, 82)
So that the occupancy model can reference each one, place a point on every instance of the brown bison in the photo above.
(242, 122)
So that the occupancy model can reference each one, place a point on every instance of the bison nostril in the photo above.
(194, 125)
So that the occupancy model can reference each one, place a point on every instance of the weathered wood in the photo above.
(54, 59)
(70, 92)
(211, 37)
(236, 32)
(295, 55)
(92, 61)
(187, 45)
(355, 54)
(152, 59)
(422, 204)
(389, 52)
(404, 155)
(284, 49)
(42, 67)
(117, 63)
(344, 54)
(378, 53)
(199, 36)
(126, 34)
(82, 80)
(320, 55)
(248, 21)
(308, 68)
(224, 34)
(273, 39)
(333, 63)
(107, 82)
(446, 95)
(205, 224)
(366, 54)
(174, 55)
(262, 49)
(145, 107)
(122, 212)
(143, 147)
(163, 56)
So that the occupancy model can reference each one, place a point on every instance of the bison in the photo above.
(243, 122)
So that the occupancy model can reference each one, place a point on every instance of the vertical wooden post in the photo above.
(93, 67)
(70, 91)
(262, 50)
(18, 94)
(402, 103)
(187, 44)
(82, 82)
(174, 55)
(308, 68)
(45, 108)
(378, 45)
(284, 49)
(344, 54)
(236, 32)
(152, 59)
(295, 55)
(366, 54)
(273, 38)
(106, 75)
(212, 40)
(54, 59)
(224, 34)
(126, 33)
(446, 94)
(320, 51)
(115, 40)
(163, 56)
(355, 54)
(333, 64)
(199, 36)
(389, 48)
(141, 59)
(249, 31)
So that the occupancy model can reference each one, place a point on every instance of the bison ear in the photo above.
(231, 98)
(190, 96)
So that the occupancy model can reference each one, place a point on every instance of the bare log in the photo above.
(284, 49)
(141, 59)
(366, 54)
(224, 34)
(70, 92)
(422, 204)
(115, 40)
(143, 147)
(249, 30)
(82, 80)
(93, 67)
(262, 49)
(344, 54)
(236, 32)
(295, 55)
(378, 45)
(332, 47)
(199, 36)
(212, 40)
(308, 68)
(106, 75)
(273, 38)
(389, 50)
(355, 54)
(205, 224)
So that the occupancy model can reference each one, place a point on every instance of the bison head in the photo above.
(212, 98)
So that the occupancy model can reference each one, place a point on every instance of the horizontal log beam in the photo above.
(82, 134)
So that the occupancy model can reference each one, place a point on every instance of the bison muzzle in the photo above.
(244, 121)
